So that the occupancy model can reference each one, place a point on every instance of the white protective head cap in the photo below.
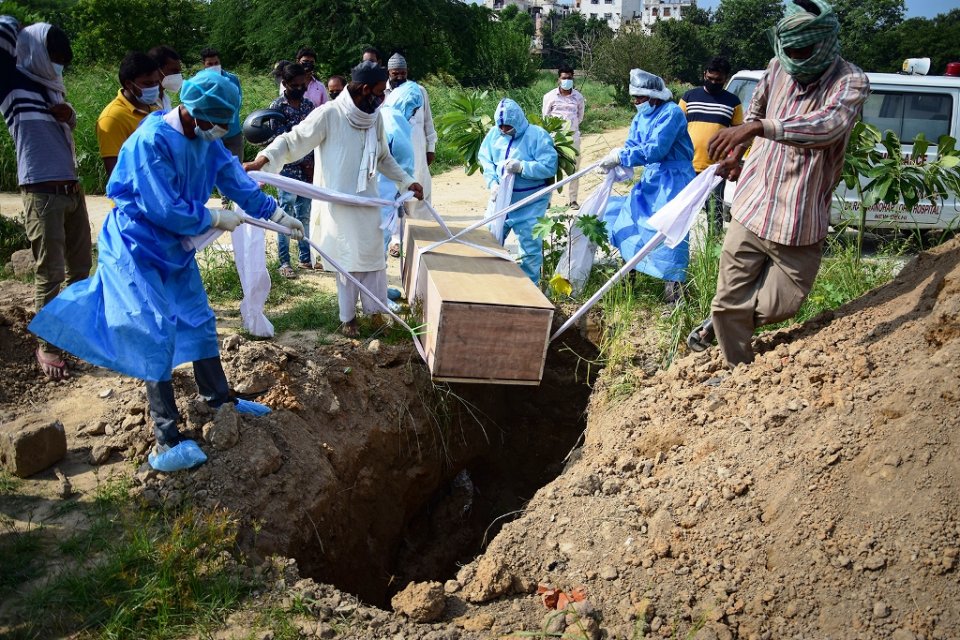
(647, 84)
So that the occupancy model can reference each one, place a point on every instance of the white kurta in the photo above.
(350, 235)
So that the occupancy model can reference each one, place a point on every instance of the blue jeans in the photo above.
(299, 208)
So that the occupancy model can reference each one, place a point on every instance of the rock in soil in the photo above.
(420, 601)
(31, 445)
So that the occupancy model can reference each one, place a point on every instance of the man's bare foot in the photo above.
(52, 365)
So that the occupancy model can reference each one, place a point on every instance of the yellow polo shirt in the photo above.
(116, 123)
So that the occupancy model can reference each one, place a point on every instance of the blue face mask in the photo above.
(149, 95)
(645, 109)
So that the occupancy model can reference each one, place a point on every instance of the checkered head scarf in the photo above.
(808, 22)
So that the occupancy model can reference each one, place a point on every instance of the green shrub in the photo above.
(13, 237)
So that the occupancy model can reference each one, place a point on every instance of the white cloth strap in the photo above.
(314, 192)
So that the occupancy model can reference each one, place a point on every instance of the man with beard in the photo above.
(351, 148)
(709, 109)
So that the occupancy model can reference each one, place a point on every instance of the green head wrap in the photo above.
(800, 28)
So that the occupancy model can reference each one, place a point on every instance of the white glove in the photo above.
(225, 219)
(512, 166)
(612, 159)
(494, 190)
(282, 218)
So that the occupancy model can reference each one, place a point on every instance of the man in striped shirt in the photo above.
(799, 120)
(41, 122)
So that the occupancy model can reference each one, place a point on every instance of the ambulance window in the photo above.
(909, 114)
(743, 89)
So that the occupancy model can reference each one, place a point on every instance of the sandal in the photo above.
(52, 365)
(287, 272)
(318, 265)
(701, 338)
(394, 250)
(306, 265)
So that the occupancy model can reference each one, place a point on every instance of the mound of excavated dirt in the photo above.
(813, 494)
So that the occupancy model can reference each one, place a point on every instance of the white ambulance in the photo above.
(907, 105)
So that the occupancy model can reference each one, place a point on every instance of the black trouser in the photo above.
(212, 384)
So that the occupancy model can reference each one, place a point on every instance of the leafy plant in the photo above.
(891, 177)
(559, 130)
(555, 230)
(13, 237)
(465, 126)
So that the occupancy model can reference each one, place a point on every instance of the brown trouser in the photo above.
(760, 282)
(59, 233)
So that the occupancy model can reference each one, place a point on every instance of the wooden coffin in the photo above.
(485, 321)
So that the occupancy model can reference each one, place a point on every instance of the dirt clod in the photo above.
(420, 601)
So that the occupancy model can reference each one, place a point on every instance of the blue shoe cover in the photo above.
(396, 307)
(187, 454)
(393, 293)
(253, 408)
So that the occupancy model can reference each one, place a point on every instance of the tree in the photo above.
(739, 31)
(865, 30)
(690, 40)
(631, 48)
(935, 38)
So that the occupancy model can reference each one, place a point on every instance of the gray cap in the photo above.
(643, 83)
(397, 61)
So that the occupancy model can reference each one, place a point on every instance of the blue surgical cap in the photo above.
(210, 96)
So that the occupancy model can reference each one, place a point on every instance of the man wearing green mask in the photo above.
(799, 121)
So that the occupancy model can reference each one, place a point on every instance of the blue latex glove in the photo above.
(187, 454)
(252, 408)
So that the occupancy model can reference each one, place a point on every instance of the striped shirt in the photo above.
(44, 150)
(788, 178)
(708, 113)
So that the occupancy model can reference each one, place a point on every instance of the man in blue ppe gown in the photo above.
(400, 105)
(658, 141)
(145, 311)
(514, 145)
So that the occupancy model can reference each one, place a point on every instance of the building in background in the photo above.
(618, 13)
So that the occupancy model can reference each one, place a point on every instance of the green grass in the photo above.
(146, 574)
(222, 281)
(20, 555)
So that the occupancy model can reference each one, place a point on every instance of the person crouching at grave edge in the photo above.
(351, 148)
(513, 145)
(144, 310)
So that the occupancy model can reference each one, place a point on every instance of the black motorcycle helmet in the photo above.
(263, 125)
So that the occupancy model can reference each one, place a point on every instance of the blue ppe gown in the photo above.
(400, 106)
(658, 141)
(533, 147)
(145, 310)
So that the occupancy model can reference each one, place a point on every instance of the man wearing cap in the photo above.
(799, 121)
(424, 133)
(658, 141)
(351, 148)
(145, 311)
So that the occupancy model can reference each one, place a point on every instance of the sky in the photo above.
(915, 8)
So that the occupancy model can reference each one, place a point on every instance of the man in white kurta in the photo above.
(424, 135)
(350, 147)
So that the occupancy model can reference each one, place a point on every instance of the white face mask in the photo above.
(215, 67)
(172, 82)
(58, 69)
(566, 84)
(215, 133)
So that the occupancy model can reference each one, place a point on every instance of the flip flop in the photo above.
(701, 338)
(394, 250)
(287, 272)
(306, 265)
(55, 368)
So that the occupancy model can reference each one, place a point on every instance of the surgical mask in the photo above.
(334, 94)
(712, 87)
(214, 133)
(307, 66)
(566, 84)
(149, 95)
(215, 67)
(58, 69)
(645, 109)
(295, 94)
(172, 82)
(394, 83)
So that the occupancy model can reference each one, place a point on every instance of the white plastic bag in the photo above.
(250, 255)
(577, 258)
(502, 201)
